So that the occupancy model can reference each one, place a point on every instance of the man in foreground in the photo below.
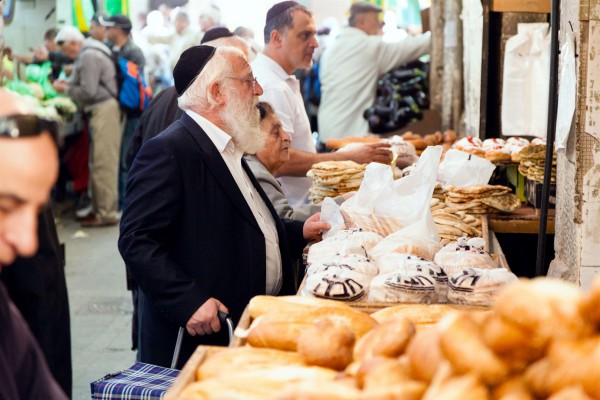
(28, 169)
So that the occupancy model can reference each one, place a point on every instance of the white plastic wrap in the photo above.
(463, 169)
(337, 284)
(384, 206)
(403, 287)
(346, 242)
(330, 214)
(475, 286)
(352, 262)
(419, 239)
(465, 253)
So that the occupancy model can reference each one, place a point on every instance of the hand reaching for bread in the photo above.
(313, 227)
(206, 320)
(370, 152)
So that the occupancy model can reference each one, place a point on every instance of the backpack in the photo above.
(134, 93)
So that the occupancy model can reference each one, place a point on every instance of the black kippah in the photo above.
(189, 65)
(215, 33)
(279, 8)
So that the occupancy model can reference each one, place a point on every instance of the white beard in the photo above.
(242, 120)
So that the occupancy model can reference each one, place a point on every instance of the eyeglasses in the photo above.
(20, 126)
(251, 80)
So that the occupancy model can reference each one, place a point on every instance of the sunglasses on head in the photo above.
(22, 125)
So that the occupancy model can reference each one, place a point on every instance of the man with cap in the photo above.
(28, 170)
(163, 109)
(118, 32)
(198, 232)
(350, 67)
(93, 86)
(289, 44)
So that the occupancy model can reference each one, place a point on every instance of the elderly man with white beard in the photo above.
(197, 230)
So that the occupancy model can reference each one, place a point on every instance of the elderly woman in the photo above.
(267, 161)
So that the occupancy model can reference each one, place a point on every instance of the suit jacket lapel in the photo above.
(213, 159)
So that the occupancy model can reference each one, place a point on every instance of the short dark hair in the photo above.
(50, 34)
(283, 21)
(264, 109)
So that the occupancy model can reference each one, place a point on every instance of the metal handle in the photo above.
(223, 320)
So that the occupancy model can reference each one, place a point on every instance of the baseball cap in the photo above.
(68, 34)
(116, 21)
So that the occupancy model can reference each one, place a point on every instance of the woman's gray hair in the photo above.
(218, 68)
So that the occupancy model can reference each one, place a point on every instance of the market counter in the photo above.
(524, 220)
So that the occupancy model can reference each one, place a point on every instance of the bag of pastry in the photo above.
(478, 287)
(419, 239)
(384, 206)
(462, 254)
(343, 243)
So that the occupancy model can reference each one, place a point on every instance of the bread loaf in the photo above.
(381, 371)
(245, 358)
(424, 353)
(388, 339)
(326, 344)
(260, 305)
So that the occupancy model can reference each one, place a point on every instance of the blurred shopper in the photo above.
(350, 67)
(94, 87)
(210, 17)
(48, 51)
(265, 163)
(28, 169)
(289, 44)
(97, 30)
(197, 231)
(118, 32)
(181, 39)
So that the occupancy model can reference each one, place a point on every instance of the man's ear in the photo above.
(216, 95)
(276, 38)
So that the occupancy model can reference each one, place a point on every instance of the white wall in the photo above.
(28, 25)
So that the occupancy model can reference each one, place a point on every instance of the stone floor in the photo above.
(99, 301)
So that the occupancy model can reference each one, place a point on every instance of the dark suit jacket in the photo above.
(161, 112)
(38, 288)
(187, 234)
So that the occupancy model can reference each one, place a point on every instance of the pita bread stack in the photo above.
(533, 160)
(333, 178)
(453, 224)
(482, 199)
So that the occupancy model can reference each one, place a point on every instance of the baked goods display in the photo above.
(540, 339)
(453, 224)
(482, 199)
(533, 160)
(343, 243)
(493, 149)
(337, 282)
(476, 286)
(334, 178)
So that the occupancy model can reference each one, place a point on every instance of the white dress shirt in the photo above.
(282, 91)
(348, 73)
(233, 158)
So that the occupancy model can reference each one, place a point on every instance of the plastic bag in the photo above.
(525, 81)
(478, 287)
(567, 93)
(419, 239)
(330, 213)
(343, 243)
(384, 206)
(464, 253)
(463, 169)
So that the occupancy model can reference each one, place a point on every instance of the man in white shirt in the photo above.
(182, 39)
(289, 44)
(198, 232)
(350, 67)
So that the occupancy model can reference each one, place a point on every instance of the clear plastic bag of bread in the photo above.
(418, 239)
(463, 169)
(385, 206)
(343, 243)
(465, 253)
(330, 213)
(404, 151)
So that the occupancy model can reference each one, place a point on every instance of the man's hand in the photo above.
(60, 85)
(205, 320)
(40, 53)
(313, 227)
(370, 152)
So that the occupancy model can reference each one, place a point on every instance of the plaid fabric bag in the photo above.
(140, 382)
